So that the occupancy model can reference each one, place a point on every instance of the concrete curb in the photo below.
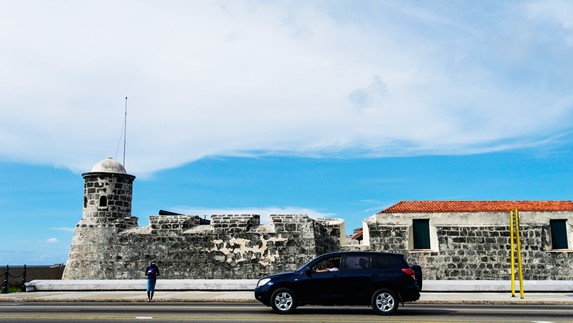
(141, 284)
(496, 286)
(132, 296)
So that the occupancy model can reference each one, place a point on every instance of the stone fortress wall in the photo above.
(109, 244)
(230, 247)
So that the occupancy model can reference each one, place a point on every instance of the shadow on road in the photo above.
(402, 311)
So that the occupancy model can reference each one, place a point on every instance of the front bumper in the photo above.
(262, 294)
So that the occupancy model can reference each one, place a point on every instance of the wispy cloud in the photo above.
(52, 240)
(557, 13)
(209, 78)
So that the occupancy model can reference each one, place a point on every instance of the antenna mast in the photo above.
(124, 131)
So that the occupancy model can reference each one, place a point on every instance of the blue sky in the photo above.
(326, 108)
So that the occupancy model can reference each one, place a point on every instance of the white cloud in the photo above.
(310, 78)
(52, 240)
(555, 12)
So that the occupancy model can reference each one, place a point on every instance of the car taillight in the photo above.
(409, 272)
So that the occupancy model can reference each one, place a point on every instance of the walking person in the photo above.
(151, 272)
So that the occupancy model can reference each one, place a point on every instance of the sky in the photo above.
(335, 108)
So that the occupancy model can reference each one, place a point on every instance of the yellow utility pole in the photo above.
(514, 216)
(519, 266)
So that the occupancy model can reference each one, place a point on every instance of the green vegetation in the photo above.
(13, 289)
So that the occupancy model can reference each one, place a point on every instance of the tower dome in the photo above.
(109, 166)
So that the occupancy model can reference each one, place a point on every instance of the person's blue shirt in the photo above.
(152, 272)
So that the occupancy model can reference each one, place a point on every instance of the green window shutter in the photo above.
(421, 234)
(558, 234)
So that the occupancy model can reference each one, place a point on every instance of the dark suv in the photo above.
(381, 280)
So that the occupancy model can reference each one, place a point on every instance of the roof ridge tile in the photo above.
(447, 206)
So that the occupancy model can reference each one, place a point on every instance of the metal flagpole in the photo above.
(124, 132)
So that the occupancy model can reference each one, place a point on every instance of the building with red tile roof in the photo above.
(471, 239)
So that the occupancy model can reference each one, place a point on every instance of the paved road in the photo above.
(246, 312)
(249, 297)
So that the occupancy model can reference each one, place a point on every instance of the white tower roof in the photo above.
(109, 166)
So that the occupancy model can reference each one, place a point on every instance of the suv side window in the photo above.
(356, 262)
(388, 261)
(326, 265)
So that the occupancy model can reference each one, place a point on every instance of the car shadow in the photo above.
(361, 310)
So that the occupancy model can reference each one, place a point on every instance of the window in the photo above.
(559, 234)
(388, 261)
(103, 201)
(85, 202)
(356, 262)
(328, 264)
(421, 233)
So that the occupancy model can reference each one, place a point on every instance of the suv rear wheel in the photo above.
(384, 301)
(283, 301)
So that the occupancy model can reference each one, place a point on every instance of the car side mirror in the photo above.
(308, 271)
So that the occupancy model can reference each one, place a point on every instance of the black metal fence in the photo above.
(14, 278)
(8, 278)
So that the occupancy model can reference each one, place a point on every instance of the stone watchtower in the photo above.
(106, 212)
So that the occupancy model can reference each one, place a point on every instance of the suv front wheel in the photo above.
(283, 301)
(384, 301)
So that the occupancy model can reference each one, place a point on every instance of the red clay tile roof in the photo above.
(477, 206)
(358, 234)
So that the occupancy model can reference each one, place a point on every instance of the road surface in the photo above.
(248, 312)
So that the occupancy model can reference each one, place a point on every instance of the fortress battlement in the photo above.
(169, 225)
(229, 223)
(234, 222)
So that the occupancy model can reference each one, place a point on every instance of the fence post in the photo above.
(5, 284)
(23, 287)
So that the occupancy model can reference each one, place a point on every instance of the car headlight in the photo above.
(263, 282)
